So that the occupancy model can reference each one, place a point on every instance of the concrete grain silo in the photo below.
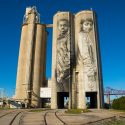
(32, 59)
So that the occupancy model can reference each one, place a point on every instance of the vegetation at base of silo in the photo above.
(119, 103)
(38, 110)
(76, 111)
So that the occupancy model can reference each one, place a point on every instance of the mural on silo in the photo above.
(63, 55)
(86, 53)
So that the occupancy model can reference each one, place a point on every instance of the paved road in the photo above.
(53, 117)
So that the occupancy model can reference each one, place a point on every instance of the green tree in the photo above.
(119, 103)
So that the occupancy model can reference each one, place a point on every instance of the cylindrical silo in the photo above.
(88, 65)
(62, 54)
(31, 63)
(39, 63)
(21, 93)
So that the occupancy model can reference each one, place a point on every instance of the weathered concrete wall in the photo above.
(39, 62)
(32, 59)
(21, 71)
(62, 54)
(88, 59)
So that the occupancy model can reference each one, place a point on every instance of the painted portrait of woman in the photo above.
(86, 52)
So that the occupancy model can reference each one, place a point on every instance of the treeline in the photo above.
(119, 103)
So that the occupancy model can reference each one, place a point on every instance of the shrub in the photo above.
(119, 103)
(76, 111)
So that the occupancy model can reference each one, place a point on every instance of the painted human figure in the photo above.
(63, 52)
(86, 52)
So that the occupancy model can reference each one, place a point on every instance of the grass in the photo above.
(6, 108)
(76, 111)
(117, 110)
(119, 122)
(38, 110)
(114, 110)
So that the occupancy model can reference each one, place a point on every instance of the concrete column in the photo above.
(88, 39)
(53, 95)
(39, 63)
(100, 94)
(81, 91)
(20, 82)
(54, 91)
(30, 39)
(62, 39)
(75, 90)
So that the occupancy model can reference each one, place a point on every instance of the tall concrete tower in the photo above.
(88, 74)
(76, 65)
(32, 56)
(62, 56)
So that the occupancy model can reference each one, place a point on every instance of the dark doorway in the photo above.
(45, 102)
(62, 99)
(91, 99)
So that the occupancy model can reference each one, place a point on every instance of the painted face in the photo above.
(87, 26)
(63, 26)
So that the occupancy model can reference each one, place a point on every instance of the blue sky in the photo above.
(111, 26)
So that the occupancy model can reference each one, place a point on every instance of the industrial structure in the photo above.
(76, 65)
(32, 59)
